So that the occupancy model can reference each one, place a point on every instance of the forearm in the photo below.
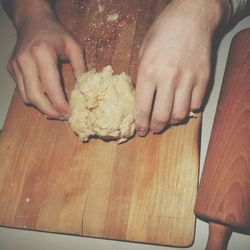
(21, 11)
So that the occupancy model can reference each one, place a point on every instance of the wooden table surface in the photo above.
(143, 190)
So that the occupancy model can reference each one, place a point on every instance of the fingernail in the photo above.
(141, 131)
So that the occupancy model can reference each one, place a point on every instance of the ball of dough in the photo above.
(102, 105)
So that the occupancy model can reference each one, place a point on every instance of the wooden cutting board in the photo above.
(143, 190)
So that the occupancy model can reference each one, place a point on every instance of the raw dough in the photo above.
(102, 104)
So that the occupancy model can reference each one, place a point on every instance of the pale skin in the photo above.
(174, 60)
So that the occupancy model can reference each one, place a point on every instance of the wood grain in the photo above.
(143, 190)
(224, 192)
(219, 236)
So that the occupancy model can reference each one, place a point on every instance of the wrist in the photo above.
(213, 12)
(30, 11)
(217, 13)
(222, 8)
(206, 13)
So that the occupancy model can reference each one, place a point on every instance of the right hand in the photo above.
(174, 63)
(33, 64)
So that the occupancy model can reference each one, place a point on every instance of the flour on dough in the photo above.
(102, 104)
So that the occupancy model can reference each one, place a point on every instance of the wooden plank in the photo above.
(143, 190)
(224, 192)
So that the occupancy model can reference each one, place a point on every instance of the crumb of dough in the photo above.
(113, 17)
(102, 105)
(100, 8)
(192, 115)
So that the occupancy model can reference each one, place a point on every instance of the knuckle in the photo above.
(173, 72)
(146, 70)
(39, 48)
(73, 46)
(21, 57)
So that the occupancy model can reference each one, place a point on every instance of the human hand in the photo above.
(33, 65)
(174, 63)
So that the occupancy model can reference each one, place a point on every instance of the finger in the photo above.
(32, 86)
(50, 80)
(182, 100)
(162, 107)
(199, 92)
(144, 95)
(75, 54)
(197, 98)
(19, 81)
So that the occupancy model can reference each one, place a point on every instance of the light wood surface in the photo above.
(143, 190)
(224, 192)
